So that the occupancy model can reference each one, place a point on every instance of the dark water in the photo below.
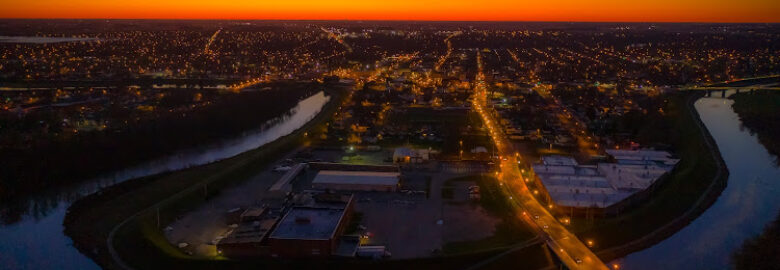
(750, 201)
(36, 239)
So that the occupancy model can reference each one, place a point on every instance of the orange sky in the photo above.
(467, 10)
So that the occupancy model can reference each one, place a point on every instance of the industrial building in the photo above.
(248, 238)
(311, 231)
(356, 180)
(407, 155)
(312, 226)
(607, 187)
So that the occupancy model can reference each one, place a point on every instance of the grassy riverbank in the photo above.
(39, 159)
(760, 252)
(91, 220)
(760, 113)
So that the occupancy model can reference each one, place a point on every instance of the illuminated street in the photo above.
(566, 245)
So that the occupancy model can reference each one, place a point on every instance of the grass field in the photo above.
(508, 232)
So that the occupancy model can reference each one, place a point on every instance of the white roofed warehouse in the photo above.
(356, 180)
(604, 188)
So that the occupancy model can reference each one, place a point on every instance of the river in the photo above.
(746, 206)
(36, 241)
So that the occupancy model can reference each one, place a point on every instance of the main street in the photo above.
(569, 249)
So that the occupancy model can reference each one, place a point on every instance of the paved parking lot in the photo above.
(408, 224)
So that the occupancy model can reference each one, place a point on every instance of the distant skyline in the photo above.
(425, 10)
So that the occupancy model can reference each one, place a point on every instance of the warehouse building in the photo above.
(311, 231)
(248, 239)
(605, 188)
(356, 180)
(312, 227)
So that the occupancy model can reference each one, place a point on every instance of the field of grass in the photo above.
(507, 233)
(532, 257)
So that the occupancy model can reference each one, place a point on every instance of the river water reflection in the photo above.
(750, 201)
(35, 240)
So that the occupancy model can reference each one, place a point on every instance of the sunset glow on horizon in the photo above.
(429, 10)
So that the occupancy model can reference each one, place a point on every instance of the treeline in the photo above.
(48, 160)
(760, 252)
(760, 113)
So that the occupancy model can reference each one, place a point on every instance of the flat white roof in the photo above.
(287, 177)
(357, 178)
(559, 160)
(308, 224)
(605, 184)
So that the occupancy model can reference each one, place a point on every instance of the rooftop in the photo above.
(558, 160)
(284, 182)
(570, 184)
(356, 178)
(309, 223)
(642, 157)
(250, 232)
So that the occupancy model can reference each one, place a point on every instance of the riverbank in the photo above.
(91, 219)
(760, 113)
(760, 252)
(743, 209)
(38, 159)
(687, 191)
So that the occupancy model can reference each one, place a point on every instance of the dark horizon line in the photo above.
(387, 20)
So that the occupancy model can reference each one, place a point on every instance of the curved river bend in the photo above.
(37, 240)
(750, 201)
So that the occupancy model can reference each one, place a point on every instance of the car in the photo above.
(536, 216)
(578, 260)
(545, 226)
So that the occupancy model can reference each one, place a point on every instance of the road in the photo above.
(569, 249)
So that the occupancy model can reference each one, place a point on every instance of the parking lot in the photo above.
(413, 222)
(415, 225)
